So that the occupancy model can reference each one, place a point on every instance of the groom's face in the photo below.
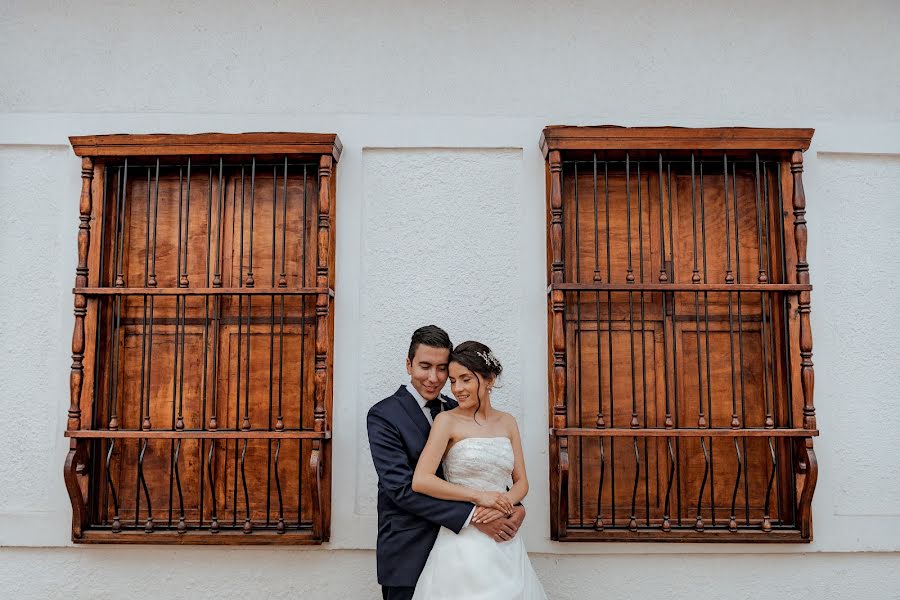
(428, 370)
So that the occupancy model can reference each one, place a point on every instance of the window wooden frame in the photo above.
(109, 418)
(585, 428)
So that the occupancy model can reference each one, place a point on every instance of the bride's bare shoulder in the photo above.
(507, 420)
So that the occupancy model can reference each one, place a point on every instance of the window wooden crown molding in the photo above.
(172, 144)
(615, 137)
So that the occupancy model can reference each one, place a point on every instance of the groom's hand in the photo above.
(503, 529)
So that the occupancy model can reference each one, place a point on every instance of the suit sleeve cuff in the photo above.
(469, 519)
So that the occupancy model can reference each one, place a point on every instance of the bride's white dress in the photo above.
(470, 564)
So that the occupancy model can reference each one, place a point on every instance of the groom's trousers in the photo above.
(390, 592)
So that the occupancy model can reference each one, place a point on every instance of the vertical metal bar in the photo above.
(674, 322)
(250, 281)
(280, 526)
(200, 456)
(96, 447)
(116, 523)
(762, 278)
(712, 469)
(643, 342)
(699, 523)
(737, 235)
(245, 423)
(632, 522)
(148, 524)
(209, 222)
(179, 422)
(174, 388)
(612, 412)
(240, 317)
(597, 278)
(282, 282)
(205, 389)
(220, 223)
(182, 526)
(120, 280)
(177, 347)
(695, 278)
(771, 331)
(729, 277)
(214, 517)
(271, 340)
(663, 275)
(151, 282)
(184, 282)
(667, 524)
(204, 393)
(767, 522)
(217, 311)
(578, 362)
(152, 279)
(113, 383)
(145, 382)
(732, 522)
(629, 278)
(248, 526)
(303, 248)
(598, 521)
(178, 278)
(304, 241)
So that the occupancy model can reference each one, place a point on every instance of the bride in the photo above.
(482, 454)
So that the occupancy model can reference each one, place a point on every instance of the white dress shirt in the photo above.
(427, 411)
(415, 394)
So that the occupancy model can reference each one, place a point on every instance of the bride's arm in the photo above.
(426, 482)
(520, 481)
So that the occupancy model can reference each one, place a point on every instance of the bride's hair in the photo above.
(479, 359)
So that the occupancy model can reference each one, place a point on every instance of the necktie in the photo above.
(434, 406)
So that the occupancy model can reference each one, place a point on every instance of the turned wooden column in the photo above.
(76, 377)
(557, 302)
(322, 299)
(807, 376)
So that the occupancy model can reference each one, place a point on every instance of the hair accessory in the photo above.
(489, 358)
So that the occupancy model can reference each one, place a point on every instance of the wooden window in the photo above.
(680, 367)
(202, 353)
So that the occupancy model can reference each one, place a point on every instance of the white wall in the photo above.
(457, 96)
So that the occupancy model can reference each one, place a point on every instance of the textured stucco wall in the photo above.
(455, 96)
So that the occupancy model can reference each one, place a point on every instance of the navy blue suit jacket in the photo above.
(408, 522)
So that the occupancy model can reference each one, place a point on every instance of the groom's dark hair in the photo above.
(430, 335)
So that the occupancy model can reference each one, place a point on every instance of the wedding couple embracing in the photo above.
(451, 477)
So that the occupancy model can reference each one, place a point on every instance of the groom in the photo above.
(408, 522)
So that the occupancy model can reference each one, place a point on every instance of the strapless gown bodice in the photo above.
(481, 463)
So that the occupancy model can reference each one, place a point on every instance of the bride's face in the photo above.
(467, 386)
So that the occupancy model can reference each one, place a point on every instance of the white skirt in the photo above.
(473, 566)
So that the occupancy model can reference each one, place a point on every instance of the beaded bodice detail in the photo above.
(480, 463)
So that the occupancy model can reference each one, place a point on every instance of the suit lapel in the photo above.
(414, 410)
